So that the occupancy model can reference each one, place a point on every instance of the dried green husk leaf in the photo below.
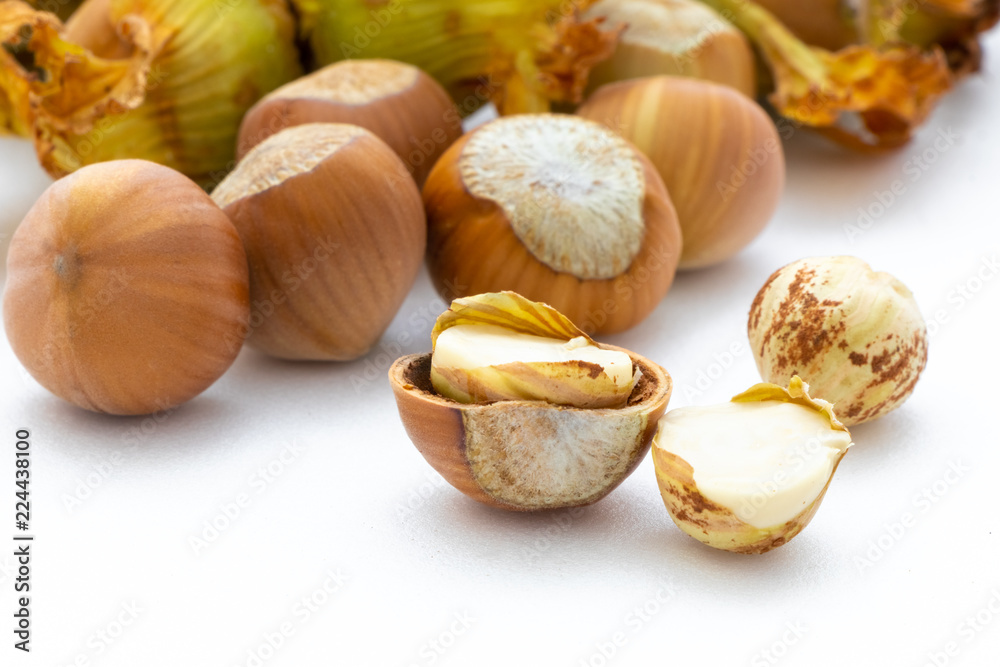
(161, 80)
(519, 54)
(892, 88)
(952, 25)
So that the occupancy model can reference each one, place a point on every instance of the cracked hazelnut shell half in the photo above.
(526, 455)
(559, 209)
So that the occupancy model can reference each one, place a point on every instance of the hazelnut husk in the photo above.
(136, 79)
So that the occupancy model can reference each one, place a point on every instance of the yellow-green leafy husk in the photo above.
(61, 8)
(890, 85)
(719, 526)
(162, 80)
(519, 54)
(952, 25)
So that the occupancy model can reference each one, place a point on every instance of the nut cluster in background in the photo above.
(328, 136)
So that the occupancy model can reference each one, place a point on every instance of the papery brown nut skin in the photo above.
(480, 448)
(714, 524)
(127, 289)
(854, 334)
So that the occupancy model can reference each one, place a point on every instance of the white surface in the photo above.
(424, 566)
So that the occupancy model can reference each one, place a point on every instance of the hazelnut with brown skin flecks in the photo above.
(747, 476)
(854, 334)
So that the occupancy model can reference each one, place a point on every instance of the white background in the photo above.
(421, 575)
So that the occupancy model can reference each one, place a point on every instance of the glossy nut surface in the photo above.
(529, 455)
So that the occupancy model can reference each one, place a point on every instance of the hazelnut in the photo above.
(855, 335)
(398, 103)
(529, 454)
(477, 359)
(748, 475)
(559, 209)
(678, 37)
(717, 150)
(126, 289)
(335, 234)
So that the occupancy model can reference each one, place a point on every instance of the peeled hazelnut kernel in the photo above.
(335, 234)
(126, 289)
(398, 103)
(748, 476)
(855, 335)
(558, 209)
(676, 37)
(527, 455)
(475, 361)
(718, 153)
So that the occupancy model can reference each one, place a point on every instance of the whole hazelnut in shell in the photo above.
(335, 234)
(559, 209)
(679, 37)
(397, 102)
(127, 289)
(856, 336)
(718, 152)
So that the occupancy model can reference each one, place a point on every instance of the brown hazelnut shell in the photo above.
(717, 150)
(472, 249)
(418, 122)
(476, 447)
(127, 289)
(333, 250)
